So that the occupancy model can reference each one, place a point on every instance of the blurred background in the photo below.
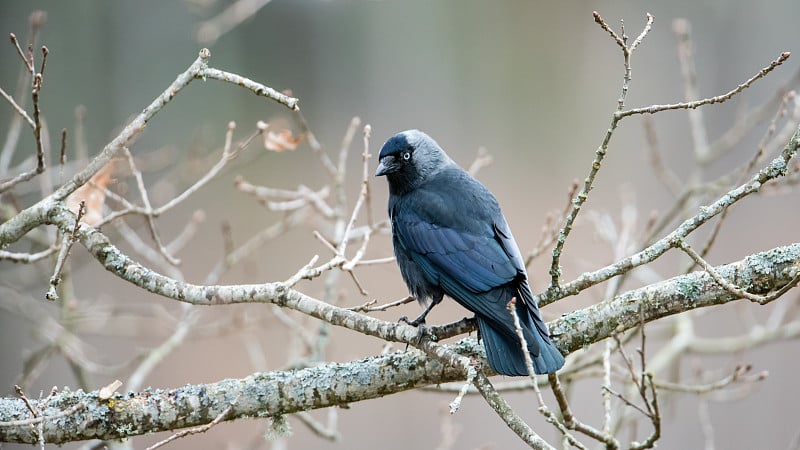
(533, 83)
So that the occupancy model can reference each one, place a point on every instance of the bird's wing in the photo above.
(508, 243)
(449, 242)
(466, 247)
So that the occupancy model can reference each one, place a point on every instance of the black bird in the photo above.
(450, 237)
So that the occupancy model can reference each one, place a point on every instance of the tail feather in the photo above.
(497, 329)
(504, 352)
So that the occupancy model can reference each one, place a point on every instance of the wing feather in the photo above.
(467, 250)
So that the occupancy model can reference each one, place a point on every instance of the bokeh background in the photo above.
(534, 83)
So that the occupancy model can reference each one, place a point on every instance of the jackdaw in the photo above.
(450, 237)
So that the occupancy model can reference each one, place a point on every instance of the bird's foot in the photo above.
(419, 323)
(414, 323)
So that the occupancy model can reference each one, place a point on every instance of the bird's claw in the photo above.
(419, 321)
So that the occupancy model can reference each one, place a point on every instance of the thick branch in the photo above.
(259, 395)
(335, 384)
(760, 273)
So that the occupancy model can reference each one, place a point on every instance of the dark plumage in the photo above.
(450, 237)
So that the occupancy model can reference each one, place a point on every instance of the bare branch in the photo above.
(253, 86)
(367, 307)
(514, 422)
(18, 109)
(546, 412)
(688, 71)
(27, 258)
(66, 245)
(740, 374)
(25, 59)
(37, 134)
(652, 109)
(730, 287)
(600, 153)
(777, 168)
(41, 419)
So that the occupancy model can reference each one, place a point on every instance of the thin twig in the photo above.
(363, 199)
(237, 255)
(228, 154)
(689, 72)
(328, 432)
(483, 159)
(62, 158)
(302, 273)
(45, 52)
(512, 420)
(652, 109)
(339, 187)
(252, 86)
(746, 122)
(647, 27)
(294, 199)
(325, 241)
(151, 222)
(189, 231)
(775, 169)
(40, 419)
(512, 310)
(668, 177)
(306, 337)
(599, 20)
(372, 262)
(739, 375)
(367, 307)
(24, 398)
(625, 400)
(655, 419)
(81, 147)
(606, 393)
(188, 320)
(37, 134)
(28, 61)
(18, 109)
(572, 423)
(36, 21)
(326, 161)
(197, 70)
(549, 231)
(66, 245)
(197, 430)
(600, 153)
(27, 258)
(748, 168)
(456, 403)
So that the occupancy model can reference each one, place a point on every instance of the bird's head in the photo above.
(408, 158)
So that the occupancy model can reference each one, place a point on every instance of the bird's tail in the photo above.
(504, 352)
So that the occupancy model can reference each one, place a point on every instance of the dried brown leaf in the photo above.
(279, 141)
(94, 193)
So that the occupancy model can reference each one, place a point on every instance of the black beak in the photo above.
(386, 165)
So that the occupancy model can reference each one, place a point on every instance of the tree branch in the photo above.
(276, 393)
(26, 220)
